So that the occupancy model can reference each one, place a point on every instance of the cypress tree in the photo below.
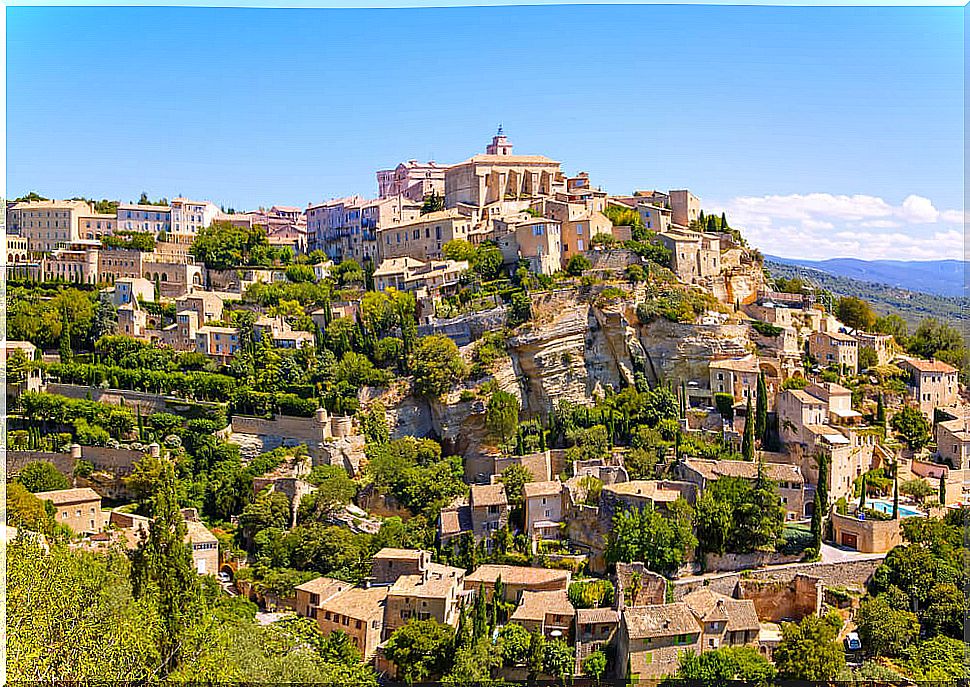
(542, 438)
(817, 522)
(880, 410)
(724, 224)
(761, 411)
(747, 439)
(161, 570)
(480, 616)
(943, 489)
(862, 496)
(498, 598)
(896, 490)
(65, 344)
(701, 220)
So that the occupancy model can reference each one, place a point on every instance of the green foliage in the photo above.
(558, 658)
(725, 405)
(676, 303)
(725, 665)
(739, 516)
(223, 246)
(437, 365)
(487, 261)
(938, 659)
(766, 328)
(515, 477)
(856, 313)
(26, 511)
(300, 274)
(161, 571)
(595, 664)
(577, 264)
(502, 416)
(432, 203)
(868, 358)
(374, 424)
(42, 316)
(660, 540)
(458, 249)
(416, 474)
(635, 274)
(590, 593)
(885, 630)
(810, 650)
(130, 240)
(913, 426)
(421, 650)
(40, 475)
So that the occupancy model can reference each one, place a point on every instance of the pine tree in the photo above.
(747, 439)
(761, 411)
(161, 571)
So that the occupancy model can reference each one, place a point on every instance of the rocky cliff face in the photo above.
(681, 352)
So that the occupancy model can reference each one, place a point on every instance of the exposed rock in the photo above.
(682, 352)
(345, 452)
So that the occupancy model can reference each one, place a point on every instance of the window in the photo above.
(538, 230)
(580, 245)
(579, 229)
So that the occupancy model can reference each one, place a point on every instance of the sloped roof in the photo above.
(665, 620)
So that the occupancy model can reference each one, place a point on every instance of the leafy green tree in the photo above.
(868, 358)
(595, 664)
(577, 264)
(893, 325)
(940, 659)
(421, 650)
(299, 274)
(935, 339)
(856, 313)
(726, 665)
(913, 426)
(437, 365)
(66, 352)
(432, 203)
(810, 650)
(458, 249)
(513, 642)
(945, 610)
(375, 424)
(884, 630)
(519, 310)
(502, 415)
(660, 540)
(713, 522)
(40, 475)
(514, 477)
(917, 489)
(473, 664)
(487, 261)
(71, 617)
(161, 570)
(558, 658)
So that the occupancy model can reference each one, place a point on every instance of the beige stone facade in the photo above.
(424, 237)
(953, 442)
(412, 179)
(933, 384)
(498, 176)
(865, 536)
(79, 509)
(835, 349)
(47, 224)
(433, 593)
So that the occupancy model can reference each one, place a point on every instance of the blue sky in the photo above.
(837, 125)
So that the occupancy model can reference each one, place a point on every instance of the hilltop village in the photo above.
(495, 423)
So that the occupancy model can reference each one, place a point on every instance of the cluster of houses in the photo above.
(648, 629)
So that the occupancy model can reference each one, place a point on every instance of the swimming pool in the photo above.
(887, 508)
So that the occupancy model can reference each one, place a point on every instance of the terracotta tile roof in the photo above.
(440, 582)
(533, 489)
(535, 605)
(650, 489)
(358, 602)
(324, 586)
(666, 620)
(712, 469)
(402, 554)
(929, 365)
(590, 616)
(198, 533)
(517, 575)
(488, 495)
(746, 364)
(64, 496)
(709, 606)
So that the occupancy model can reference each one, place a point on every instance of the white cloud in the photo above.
(824, 225)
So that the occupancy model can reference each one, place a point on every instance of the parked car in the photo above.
(224, 578)
(852, 642)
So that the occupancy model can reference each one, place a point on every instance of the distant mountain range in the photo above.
(940, 277)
